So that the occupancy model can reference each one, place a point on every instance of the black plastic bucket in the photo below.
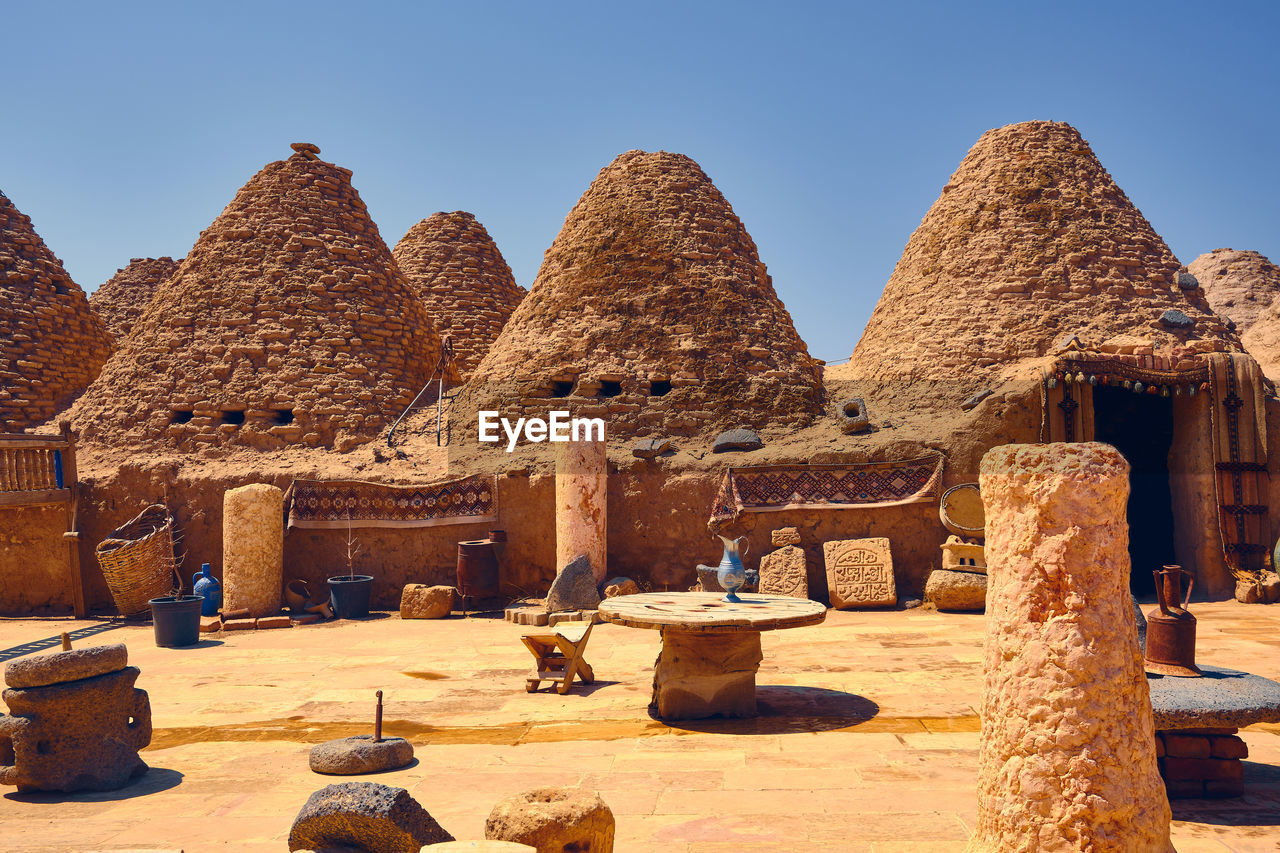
(350, 595)
(176, 619)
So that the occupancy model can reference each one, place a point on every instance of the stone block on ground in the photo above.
(706, 675)
(736, 439)
(860, 573)
(351, 756)
(79, 735)
(253, 549)
(956, 590)
(615, 587)
(1063, 674)
(574, 587)
(709, 578)
(367, 816)
(554, 820)
(785, 572)
(1248, 592)
(419, 601)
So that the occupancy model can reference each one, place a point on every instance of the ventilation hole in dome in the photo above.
(561, 389)
(233, 417)
(659, 388)
(609, 388)
(283, 417)
(182, 416)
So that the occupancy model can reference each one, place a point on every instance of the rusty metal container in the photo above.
(477, 569)
(1171, 629)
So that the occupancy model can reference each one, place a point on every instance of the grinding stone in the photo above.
(61, 667)
(1222, 698)
(351, 756)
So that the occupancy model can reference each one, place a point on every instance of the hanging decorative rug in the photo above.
(773, 488)
(339, 504)
(1240, 460)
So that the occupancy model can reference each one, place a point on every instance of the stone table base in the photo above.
(1197, 763)
(701, 675)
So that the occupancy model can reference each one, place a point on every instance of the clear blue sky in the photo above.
(831, 127)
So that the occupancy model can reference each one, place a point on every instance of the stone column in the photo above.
(582, 483)
(1067, 758)
(253, 549)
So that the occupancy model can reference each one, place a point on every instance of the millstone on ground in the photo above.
(351, 756)
(553, 820)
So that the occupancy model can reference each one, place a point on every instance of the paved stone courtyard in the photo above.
(868, 740)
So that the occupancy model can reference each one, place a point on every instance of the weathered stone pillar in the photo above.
(1067, 758)
(582, 483)
(253, 549)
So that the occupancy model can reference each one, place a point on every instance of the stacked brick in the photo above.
(288, 323)
(123, 298)
(1197, 763)
(51, 343)
(1031, 240)
(463, 280)
(1239, 285)
(651, 310)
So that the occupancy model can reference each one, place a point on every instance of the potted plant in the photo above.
(176, 619)
(350, 592)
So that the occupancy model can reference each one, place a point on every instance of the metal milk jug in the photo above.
(732, 575)
(1171, 630)
(205, 585)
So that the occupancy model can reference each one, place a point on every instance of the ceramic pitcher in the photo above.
(732, 575)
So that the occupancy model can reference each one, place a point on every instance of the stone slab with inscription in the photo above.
(860, 573)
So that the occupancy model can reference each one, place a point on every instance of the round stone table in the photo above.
(710, 647)
(1196, 722)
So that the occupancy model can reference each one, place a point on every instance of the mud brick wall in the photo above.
(1198, 763)
(465, 283)
(51, 343)
(1030, 240)
(651, 307)
(288, 323)
(120, 301)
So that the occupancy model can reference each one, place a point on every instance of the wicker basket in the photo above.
(137, 561)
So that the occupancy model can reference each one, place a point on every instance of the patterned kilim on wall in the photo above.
(772, 488)
(1240, 460)
(339, 504)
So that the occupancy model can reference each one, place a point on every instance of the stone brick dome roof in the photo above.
(1030, 241)
(121, 300)
(288, 323)
(652, 308)
(1239, 285)
(51, 343)
(464, 282)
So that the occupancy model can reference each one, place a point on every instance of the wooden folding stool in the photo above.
(558, 658)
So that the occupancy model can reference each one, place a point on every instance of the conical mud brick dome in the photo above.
(652, 310)
(1239, 285)
(51, 344)
(1030, 241)
(123, 298)
(1243, 286)
(464, 282)
(288, 323)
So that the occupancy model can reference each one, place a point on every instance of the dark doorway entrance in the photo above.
(1140, 426)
